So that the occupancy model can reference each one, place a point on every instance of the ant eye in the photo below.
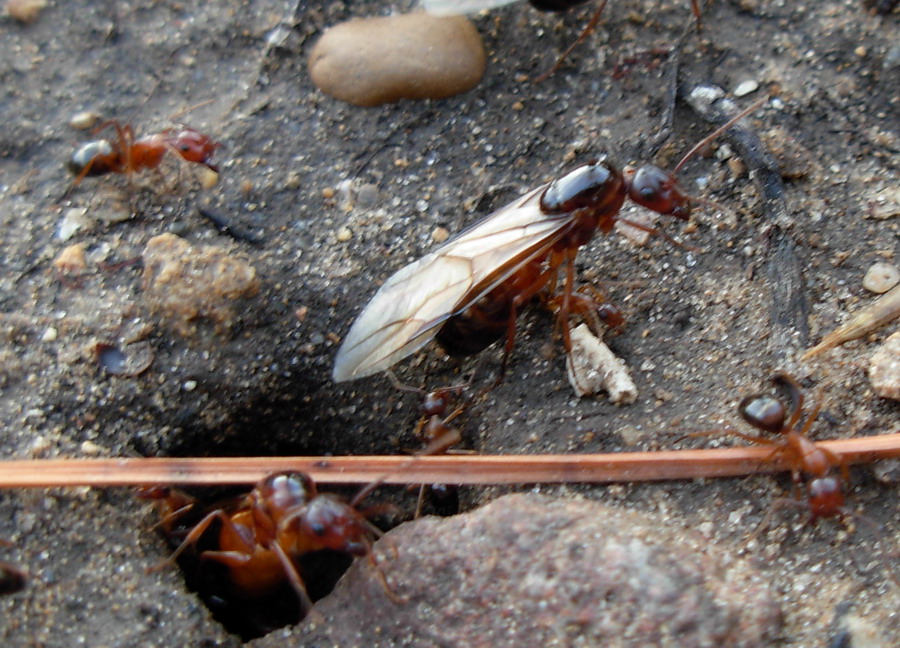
(318, 528)
(648, 193)
(763, 412)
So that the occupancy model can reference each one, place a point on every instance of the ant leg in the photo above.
(391, 594)
(195, 534)
(290, 570)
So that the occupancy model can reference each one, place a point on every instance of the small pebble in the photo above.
(73, 220)
(440, 234)
(189, 385)
(746, 87)
(881, 277)
(884, 369)
(91, 448)
(25, 11)
(208, 178)
(84, 120)
(71, 260)
(344, 234)
(50, 335)
(372, 61)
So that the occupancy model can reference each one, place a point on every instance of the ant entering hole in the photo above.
(259, 560)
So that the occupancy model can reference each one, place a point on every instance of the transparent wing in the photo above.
(455, 7)
(410, 307)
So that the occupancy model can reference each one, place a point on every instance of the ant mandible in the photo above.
(262, 534)
(125, 154)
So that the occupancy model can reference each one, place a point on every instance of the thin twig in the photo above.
(447, 469)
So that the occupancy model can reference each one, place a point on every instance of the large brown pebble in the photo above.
(371, 61)
(531, 571)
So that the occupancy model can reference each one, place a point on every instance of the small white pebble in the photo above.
(49, 335)
(189, 385)
(881, 277)
(91, 448)
(746, 87)
(440, 234)
(84, 120)
(344, 234)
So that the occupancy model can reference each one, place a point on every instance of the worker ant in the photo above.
(818, 474)
(266, 540)
(819, 470)
(125, 154)
(434, 430)
(468, 293)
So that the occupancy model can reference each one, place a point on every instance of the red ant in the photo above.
(810, 463)
(125, 154)
(262, 535)
(468, 293)
(822, 472)
(439, 436)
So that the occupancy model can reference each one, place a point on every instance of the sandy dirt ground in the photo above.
(339, 197)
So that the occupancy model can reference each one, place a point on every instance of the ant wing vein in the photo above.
(409, 309)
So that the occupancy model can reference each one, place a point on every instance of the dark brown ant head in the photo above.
(329, 523)
(826, 497)
(86, 155)
(610, 315)
(193, 146)
(764, 413)
(653, 188)
(436, 403)
(280, 493)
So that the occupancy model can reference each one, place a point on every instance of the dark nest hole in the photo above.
(273, 425)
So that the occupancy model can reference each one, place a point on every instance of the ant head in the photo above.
(283, 492)
(329, 523)
(193, 146)
(436, 402)
(610, 315)
(653, 188)
(826, 498)
(763, 412)
(596, 185)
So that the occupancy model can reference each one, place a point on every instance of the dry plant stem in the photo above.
(870, 318)
(446, 469)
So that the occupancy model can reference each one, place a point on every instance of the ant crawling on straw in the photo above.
(811, 465)
(263, 538)
(819, 475)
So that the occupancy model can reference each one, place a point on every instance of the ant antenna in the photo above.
(706, 140)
